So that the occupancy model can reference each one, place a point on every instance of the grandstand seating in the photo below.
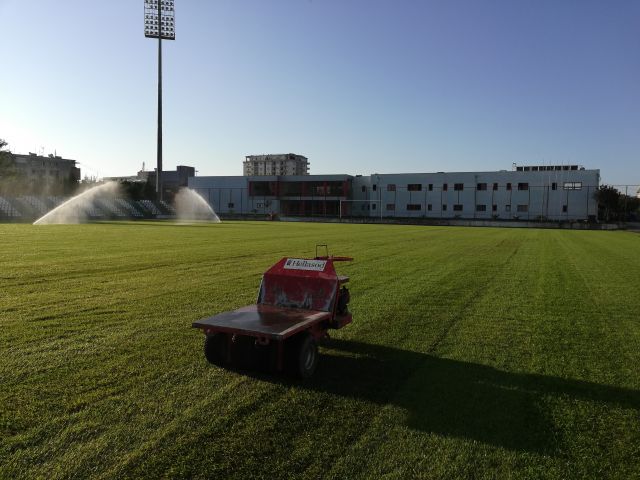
(28, 207)
(150, 206)
(94, 212)
(54, 201)
(127, 206)
(7, 209)
(168, 207)
(109, 206)
(35, 203)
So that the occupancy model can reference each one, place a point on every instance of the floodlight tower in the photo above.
(159, 22)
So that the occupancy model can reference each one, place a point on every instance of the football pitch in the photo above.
(474, 353)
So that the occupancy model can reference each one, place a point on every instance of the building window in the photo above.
(364, 189)
(229, 205)
(564, 209)
(572, 185)
(414, 187)
(495, 186)
(508, 186)
(481, 208)
(507, 208)
(391, 187)
(458, 186)
(482, 186)
(391, 206)
(523, 208)
(414, 206)
(373, 206)
(554, 186)
(444, 207)
(523, 186)
(457, 207)
(429, 207)
(445, 187)
(374, 188)
(494, 208)
(431, 187)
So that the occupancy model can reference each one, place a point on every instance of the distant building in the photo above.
(301, 195)
(126, 178)
(52, 173)
(520, 194)
(172, 180)
(275, 164)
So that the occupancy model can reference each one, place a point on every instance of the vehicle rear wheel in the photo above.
(305, 356)
(215, 348)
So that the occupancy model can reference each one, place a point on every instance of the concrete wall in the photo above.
(225, 194)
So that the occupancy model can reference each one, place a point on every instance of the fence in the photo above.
(555, 202)
(560, 202)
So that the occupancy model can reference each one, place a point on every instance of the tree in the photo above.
(8, 171)
(616, 206)
(629, 207)
(5, 158)
(138, 190)
(608, 199)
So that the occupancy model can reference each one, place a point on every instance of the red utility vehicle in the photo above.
(299, 301)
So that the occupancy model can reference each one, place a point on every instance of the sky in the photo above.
(357, 86)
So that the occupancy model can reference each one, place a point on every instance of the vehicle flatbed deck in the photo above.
(268, 321)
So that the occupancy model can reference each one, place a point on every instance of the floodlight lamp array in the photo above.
(159, 21)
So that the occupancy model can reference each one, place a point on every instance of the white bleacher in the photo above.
(38, 205)
(169, 208)
(111, 207)
(149, 205)
(126, 205)
(93, 211)
(7, 209)
(55, 201)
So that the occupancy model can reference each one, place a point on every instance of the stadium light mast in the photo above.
(159, 22)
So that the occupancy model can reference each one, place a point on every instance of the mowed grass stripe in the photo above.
(492, 419)
(475, 353)
(457, 303)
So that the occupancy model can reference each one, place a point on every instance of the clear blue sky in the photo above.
(358, 86)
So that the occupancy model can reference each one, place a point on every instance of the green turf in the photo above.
(475, 353)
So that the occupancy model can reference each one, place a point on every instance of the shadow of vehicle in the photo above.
(458, 399)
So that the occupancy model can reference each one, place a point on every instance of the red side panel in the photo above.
(300, 283)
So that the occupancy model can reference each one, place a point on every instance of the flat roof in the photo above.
(481, 172)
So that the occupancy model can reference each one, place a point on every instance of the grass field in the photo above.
(474, 353)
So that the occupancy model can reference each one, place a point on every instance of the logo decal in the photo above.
(302, 264)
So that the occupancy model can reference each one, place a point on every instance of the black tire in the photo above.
(304, 359)
(215, 348)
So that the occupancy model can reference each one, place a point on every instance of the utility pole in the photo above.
(159, 21)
